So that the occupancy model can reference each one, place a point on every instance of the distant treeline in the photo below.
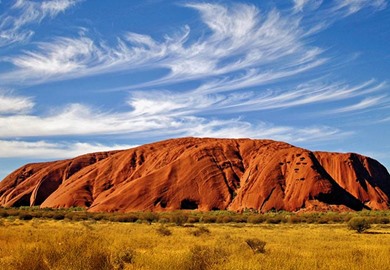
(188, 217)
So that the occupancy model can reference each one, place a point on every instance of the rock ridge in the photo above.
(203, 174)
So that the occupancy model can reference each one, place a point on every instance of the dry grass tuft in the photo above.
(257, 245)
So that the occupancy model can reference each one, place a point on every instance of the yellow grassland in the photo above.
(49, 244)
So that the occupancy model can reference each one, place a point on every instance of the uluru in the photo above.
(203, 174)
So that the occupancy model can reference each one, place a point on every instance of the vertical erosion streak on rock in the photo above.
(19, 183)
(76, 169)
(261, 186)
(266, 200)
(338, 195)
(227, 181)
(366, 179)
(46, 186)
(371, 184)
(379, 175)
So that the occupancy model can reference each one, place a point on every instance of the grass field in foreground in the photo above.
(50, 244)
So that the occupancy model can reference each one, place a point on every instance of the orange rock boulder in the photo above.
(203, 174)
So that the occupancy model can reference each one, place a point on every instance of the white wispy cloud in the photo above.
(236, 22)
(50, 150)
(353, 6)
(385, 119)
(53, 7)
(241, 38)
(171, 114)
(300, 4)
(140, 120)
(242, 52)
(366, 103)
(64, 55)
(235, 128)
(215, 100)
(341, 7)
(74, 119)
(13, 24)
(13, 104)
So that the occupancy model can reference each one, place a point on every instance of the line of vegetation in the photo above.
(181, 218)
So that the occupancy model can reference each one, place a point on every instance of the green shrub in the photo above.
(209, 219)
(163, 220)
(149, 217)
(193, 219)
(294, 219)
(240, 218)
(36, 214)
(359, 224)
(3, 213)
(126, 218)
(256, 219)
(13, 212)
(347, 218)
(323, 220)
(224, 219)
(178, 218)
(383, 220)
(58, 216)
(274, 220)
(25, 216)
(336, 218)
(76, 216)
(100, 216)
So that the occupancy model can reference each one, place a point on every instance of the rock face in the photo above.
(204, 174)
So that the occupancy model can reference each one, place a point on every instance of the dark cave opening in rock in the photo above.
(188, 204)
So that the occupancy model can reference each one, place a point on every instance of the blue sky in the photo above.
(94, 75)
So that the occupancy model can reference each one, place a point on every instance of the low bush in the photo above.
(125, 218)
(359, 224)
(383, 220)
(224, 219)
(209, 219)
(323, 220)
(122, 257)
(294, 219)
(178, 218)
(163, 231)
(193, 219)
(3, 213)
(100, 216)
(58, 216)
(76, 216)
(149, 217)
(200, 231)
(13, 212)
(25, 216)
(240, 218)
(203, 257)
(274, 220)
(257, 245)
(256, 219)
